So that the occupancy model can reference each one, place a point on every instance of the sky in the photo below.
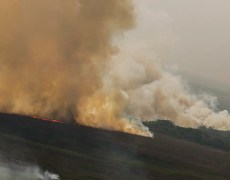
(192, 36)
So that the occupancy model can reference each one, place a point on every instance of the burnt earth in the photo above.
(78, 152)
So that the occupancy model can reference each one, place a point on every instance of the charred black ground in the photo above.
(78, 152)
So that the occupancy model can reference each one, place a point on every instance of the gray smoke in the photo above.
(152, 91)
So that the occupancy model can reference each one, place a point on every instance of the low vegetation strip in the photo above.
(202, 135)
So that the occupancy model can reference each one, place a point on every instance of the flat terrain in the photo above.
(78, 152)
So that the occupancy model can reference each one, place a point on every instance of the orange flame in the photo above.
(104, 110)
(46, 119)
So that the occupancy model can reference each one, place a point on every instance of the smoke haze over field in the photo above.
(58, 59)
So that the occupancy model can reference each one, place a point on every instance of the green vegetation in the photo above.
(202, 135)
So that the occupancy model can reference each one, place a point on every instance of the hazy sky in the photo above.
(193, 35)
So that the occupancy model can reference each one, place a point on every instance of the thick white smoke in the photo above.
(12, 171)
(152, 92)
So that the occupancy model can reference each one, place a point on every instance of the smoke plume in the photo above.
(52, 59)
(12, 171)
(153, 93)
(26, 173)
(57, 60)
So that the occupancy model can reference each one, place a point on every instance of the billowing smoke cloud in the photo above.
(57, 60)
(52, 59)
(153, 93)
